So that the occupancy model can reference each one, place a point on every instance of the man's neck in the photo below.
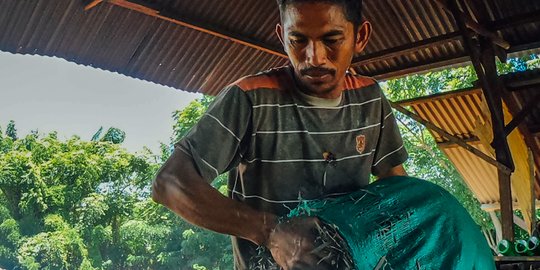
(321, 102)
(335, 95)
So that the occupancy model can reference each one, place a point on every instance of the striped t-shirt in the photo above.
(281, 147)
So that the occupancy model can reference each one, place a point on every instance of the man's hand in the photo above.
(293, 244)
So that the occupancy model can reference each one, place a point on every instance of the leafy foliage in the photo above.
(86, 205)
(11, 131)
(185, 119)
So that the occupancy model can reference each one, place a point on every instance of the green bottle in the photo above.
(506, 248)
(521, 249)
(533, 245)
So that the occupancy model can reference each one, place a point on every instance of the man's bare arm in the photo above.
(180, 188)
(395, 171)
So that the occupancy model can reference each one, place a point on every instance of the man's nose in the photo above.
(316, 54)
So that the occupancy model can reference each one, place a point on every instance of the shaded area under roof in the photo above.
(121, 36)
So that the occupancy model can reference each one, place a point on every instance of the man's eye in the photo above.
(297, 41)
(331, 41)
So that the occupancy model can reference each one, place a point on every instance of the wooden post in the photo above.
(507, 213)
(482, 53)
(530, 159)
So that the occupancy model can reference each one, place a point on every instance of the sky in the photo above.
(52, 94)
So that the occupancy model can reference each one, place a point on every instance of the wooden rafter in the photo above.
(448, 144)
(471, 24)
(174, 17)
(408, 48)
(519, 117)
(451, 137)
(482, 54)
(506, 23)
(514, 21)
(420, 67)
(437, 63)
(91, 4)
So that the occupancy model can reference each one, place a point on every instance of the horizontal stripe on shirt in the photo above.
(281, 201)
(307, 160)
(313, 132)
(315, 107)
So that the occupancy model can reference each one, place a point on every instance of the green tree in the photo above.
(11, 131)
(186, 118)
(58, 247)
(58, 195)
(202, 249)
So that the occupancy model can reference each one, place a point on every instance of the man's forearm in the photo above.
(179, 187)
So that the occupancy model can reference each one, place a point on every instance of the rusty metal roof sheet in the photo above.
(153, 48)
(480, 176)
(456, 113)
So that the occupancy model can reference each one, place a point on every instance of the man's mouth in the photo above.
(319, 74)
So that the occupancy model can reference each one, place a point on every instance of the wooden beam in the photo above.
(407, 48)
(510, 22)
(530, 132)
(516, 20)
(525, 111)
(492, 207)
(90, 4)
(523, 80)
(174, 17)
(483, 58)
(523, 85)
(532, 180)
(425, 66)
(525, 47)
(450, 137)
(471, 24)
(449, 144)
(431, 65)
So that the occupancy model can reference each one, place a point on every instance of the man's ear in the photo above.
(362, 36)
(279, 33)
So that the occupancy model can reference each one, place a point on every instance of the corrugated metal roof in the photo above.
(456, 112)
(480, 176)
(126, 41)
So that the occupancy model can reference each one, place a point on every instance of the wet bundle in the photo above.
(399, 223)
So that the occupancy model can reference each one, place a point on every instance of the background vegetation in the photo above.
(85, 204)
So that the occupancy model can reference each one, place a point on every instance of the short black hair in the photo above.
(351, 8)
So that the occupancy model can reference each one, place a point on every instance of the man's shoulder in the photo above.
(358, 82)
(269, 79)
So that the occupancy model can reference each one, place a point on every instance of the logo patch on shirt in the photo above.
(360, 143)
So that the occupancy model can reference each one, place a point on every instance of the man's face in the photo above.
(320, 43)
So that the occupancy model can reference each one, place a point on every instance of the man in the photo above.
(306, 131)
